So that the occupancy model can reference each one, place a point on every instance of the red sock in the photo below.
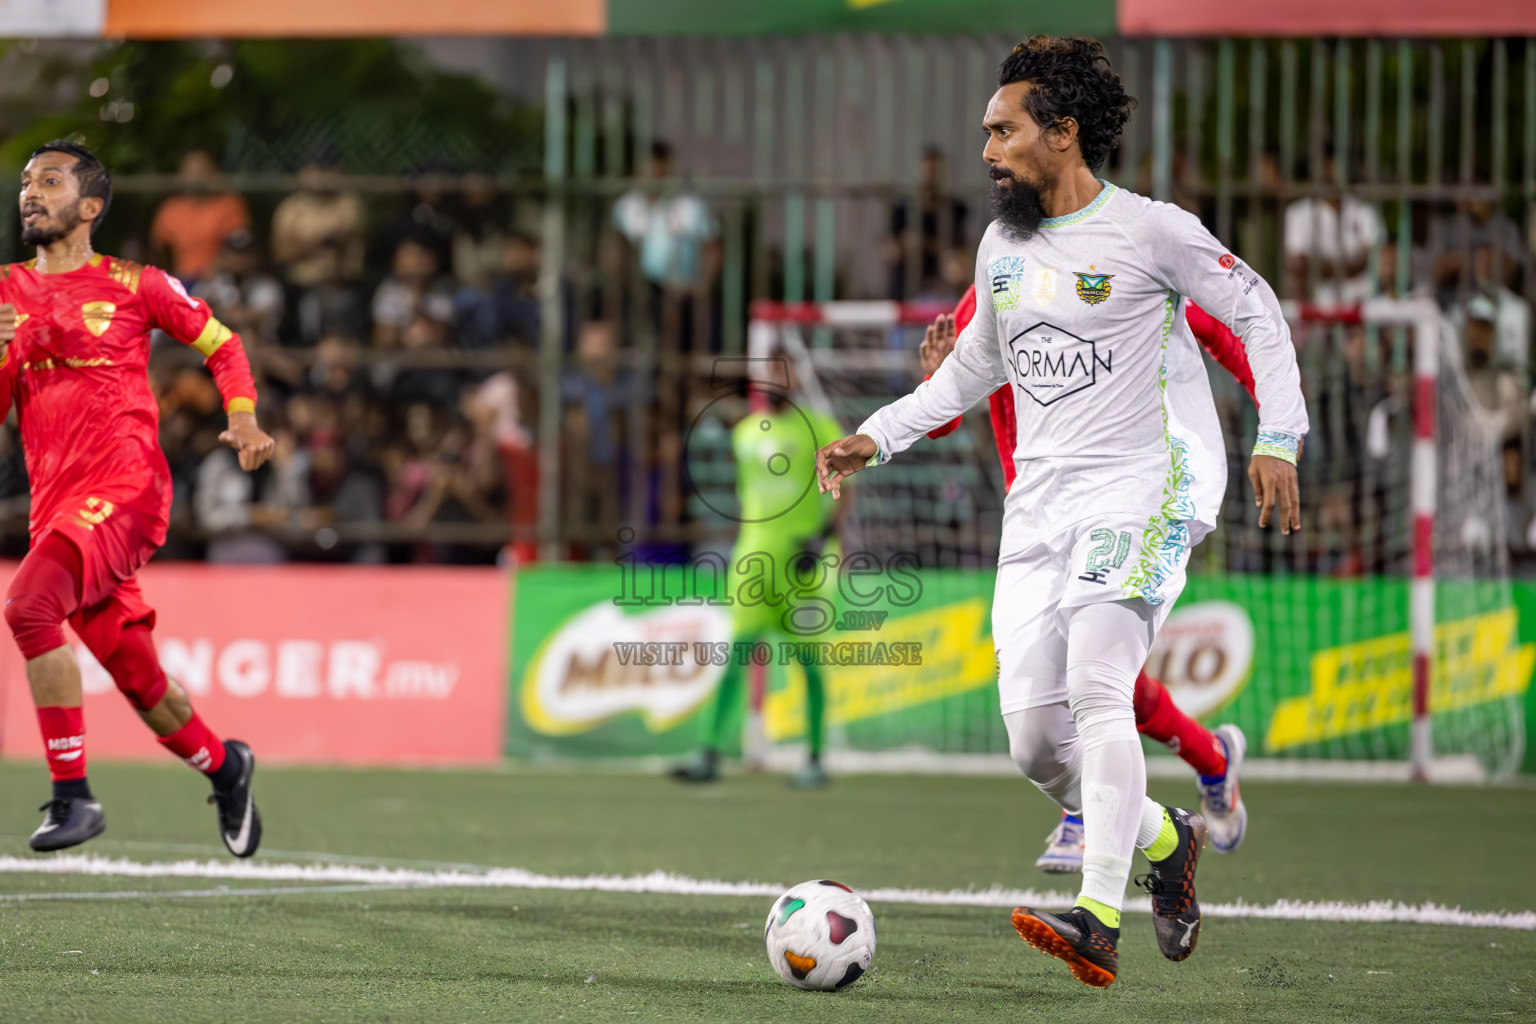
(63, 741)
(196, 744)
(1160, 718)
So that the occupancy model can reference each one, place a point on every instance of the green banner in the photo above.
(1324, 668)
(796, 17)
(603, 665)
(606, 662)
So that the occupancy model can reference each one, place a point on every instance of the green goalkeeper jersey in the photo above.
(782, 513)
(781, 507)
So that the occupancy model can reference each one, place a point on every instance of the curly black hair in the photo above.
(1072, 78)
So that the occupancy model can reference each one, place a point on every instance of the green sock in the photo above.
(815, 708)
(1167, 839)
(726, 710)
(1108, 916)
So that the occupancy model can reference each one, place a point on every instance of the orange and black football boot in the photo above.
(1076, 937)
(1171, 884)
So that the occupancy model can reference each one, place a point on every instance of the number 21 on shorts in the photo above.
(1109, 551)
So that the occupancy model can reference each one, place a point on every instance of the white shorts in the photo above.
(1107, 558)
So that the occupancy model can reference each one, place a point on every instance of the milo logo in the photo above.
(1203, 655)
(602, 663)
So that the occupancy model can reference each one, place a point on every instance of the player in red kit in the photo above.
(74, 356)
(1216, 756)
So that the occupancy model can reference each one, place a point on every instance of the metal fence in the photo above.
(807, 152)
(840, 167)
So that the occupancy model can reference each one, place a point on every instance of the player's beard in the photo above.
(62, 223)
(1017, 206)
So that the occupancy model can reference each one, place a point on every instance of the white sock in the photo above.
(1114, 790)
(1106, 646)
(1151, 822)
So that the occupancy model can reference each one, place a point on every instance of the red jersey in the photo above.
(77, 372)
(1224, 346)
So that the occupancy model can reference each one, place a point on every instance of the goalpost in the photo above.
(1424, 318)
(1404, 656)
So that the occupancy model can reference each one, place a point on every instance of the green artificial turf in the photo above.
(279, 953)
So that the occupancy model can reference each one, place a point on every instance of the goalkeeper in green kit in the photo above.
(783, 568)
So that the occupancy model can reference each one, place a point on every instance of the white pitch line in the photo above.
(223, 890)
(336, 875)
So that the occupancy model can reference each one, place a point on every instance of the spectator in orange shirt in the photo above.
(190, 228)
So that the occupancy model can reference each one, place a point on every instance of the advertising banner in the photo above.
(196, 19)
(351, 665)
(1313, 667)
(22, 18)
(1179, 18)
(1308, 667)
(594, 671)
(796, 17)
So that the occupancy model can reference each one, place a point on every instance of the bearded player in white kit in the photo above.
(1120, 466)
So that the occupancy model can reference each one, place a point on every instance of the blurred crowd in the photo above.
(396, 342)
(1474, 261)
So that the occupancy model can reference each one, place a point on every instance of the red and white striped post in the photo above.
(877, 313)
(1423, 316)
(1422, 487)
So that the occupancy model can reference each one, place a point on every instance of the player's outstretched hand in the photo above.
(938, 342)
(841, 459)
(1274, 483)
(244, 436)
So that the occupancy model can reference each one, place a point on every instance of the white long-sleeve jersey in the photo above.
(1085, 321)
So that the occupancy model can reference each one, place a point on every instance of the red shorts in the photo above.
(100, 625)
(114, 538)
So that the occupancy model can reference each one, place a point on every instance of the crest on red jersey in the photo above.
(97, 316)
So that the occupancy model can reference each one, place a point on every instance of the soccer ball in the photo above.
(820, 935)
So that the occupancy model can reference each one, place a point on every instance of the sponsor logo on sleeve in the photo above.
(180, 289)
(1006, 275)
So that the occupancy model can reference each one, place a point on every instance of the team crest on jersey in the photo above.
(97, 316)
(1006, 275)
(1093, 288)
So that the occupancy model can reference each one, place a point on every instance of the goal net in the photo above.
(1386, 632)
(1383, 639)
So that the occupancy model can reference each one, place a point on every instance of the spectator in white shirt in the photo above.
(668, 228)
(1328, 242)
